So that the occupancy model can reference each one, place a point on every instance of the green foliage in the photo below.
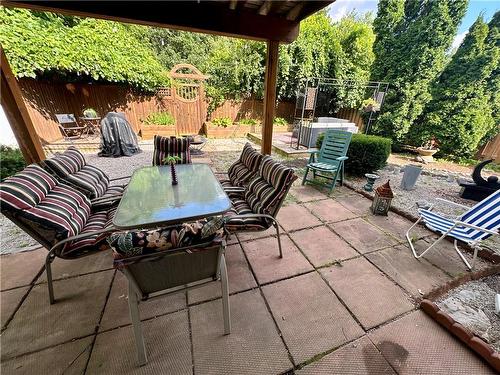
(367, 153)
(460, 113)
(280, 121)
(171, 160)
(160, 118)
(248, 121)
(44, 44)
(90, 113)
(410, 51)
(223, 122)
(11, 161)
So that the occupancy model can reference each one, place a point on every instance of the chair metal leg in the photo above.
(471, 267)
(226, 312)
(48, 270)
(277, 227)
(334, 181)
(133, 305)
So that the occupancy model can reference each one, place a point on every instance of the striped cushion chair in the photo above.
(244, 169)
(54, 214)
(258, 208)
(171, 146)
(70, 167)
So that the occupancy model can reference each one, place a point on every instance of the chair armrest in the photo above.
(342, 158)
(82, 235)
(312, 151)
(106, 199)
(119, 178)
(481, 229)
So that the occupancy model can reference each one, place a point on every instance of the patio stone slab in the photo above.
(363, 236)
(69, 358)
(9, 300)
(397, 226)
(444, 256)
(295, 217)
(239, 275)
(167, 346)
(330, 211)
(321, 246)
(416, 276)
(415, 344)
(63, 268)
(76, 313)
(310, 316)
(253, 347)
(356, 203)
(253, 235)
(20, 269)
(263, 255)
(306, 193)
(367, 292)
(360, 357)
(116, 312)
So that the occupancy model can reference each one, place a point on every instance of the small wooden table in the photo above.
(151, 200)
(93, 124)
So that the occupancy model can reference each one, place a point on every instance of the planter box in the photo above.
(149, 131)
(276, 129)
(238, 131)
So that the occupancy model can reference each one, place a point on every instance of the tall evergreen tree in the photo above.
(410, 51)
(460, 112)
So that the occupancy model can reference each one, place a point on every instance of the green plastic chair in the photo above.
(330, 158)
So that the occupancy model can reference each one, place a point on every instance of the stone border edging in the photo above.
(470, 339)
(482, 253)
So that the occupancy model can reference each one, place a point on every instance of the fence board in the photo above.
(491, 150)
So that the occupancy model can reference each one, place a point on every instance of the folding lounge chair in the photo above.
(330, 159)
(71, 168)
(171, 146)
(256, 208)
(55, 215)
(188, 263)
(69, 127)
(475, 225)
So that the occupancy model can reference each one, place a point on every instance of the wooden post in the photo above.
(269, 95)
(17, 114)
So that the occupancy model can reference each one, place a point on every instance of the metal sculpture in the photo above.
(480, 188)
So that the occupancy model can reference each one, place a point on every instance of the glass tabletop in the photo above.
(151, 200)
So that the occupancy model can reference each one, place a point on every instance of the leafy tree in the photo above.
(44, 44)
(410, 51)
(460, 113)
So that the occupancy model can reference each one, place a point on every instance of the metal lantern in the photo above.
(382, 201)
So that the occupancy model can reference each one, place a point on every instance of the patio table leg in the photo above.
(133, 305)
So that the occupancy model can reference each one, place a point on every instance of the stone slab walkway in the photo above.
(342, 300)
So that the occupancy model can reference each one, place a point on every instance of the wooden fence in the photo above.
(251, 108)
(490, 150)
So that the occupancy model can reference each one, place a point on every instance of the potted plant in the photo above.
(158, 123)
(370, 105)
(90, 113)
(172, 160)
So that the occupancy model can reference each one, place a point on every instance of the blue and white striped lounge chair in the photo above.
(478, 223)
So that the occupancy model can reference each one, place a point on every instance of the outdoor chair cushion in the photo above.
(246, 167)
(71, 168)
(235, 223)
(171, 146)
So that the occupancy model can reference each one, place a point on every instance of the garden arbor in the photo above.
(271, 21)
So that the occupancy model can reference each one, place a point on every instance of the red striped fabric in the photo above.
(171, 146)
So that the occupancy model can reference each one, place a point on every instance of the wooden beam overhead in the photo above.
(265, 7)
(294, 12)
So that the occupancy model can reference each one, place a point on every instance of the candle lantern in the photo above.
(382, 201)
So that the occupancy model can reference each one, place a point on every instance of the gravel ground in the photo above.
(473, 305)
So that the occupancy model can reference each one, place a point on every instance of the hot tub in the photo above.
(310, 131)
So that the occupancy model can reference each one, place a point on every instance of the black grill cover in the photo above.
(117, 136)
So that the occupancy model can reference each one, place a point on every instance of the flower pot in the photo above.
(427, 154)
(149, 131)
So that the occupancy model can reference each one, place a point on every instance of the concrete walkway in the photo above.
(342, 300)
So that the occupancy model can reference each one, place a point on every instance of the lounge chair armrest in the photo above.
(109, 198)
(452, 203)
(342, 158)
(82, 235)
(461, 223)
(119, 178)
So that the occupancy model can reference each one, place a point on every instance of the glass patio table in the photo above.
(150, 200)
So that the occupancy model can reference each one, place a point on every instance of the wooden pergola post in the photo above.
(17, 114)
(271, 76)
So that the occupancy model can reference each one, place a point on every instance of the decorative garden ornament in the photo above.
(371, 177)
(171, 160)
(382, 201)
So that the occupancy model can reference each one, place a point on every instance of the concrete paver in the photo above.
(415, 344)
(295, 217)
(367, 292)
(310, 316)
(253, 347)
(398, 226)
(356, 203)
(306, 193)
(263, 256)
(20, 269)
(330, 211)
(9, 300)
(321, 246)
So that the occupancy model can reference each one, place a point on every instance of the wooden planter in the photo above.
(149, 131)
(276, 129)
(235, 130)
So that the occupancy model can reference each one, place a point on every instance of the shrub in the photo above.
(90, 113)
(222, 122)
(11, 161)
(160, 118)
(248, 121)
(366, 153)
(280, 121)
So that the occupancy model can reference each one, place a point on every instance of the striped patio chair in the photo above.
(171, 146)
(475, 225)
(71, 168)
(256, 209)
(243, 170)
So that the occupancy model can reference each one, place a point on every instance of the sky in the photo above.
(341, 7)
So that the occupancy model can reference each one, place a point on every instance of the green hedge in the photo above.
(366, 153)
(11, 161)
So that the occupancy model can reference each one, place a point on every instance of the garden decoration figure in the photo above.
(382, 201)
(480, 188)
(371, 177)
(427, 151)
(172, 160)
